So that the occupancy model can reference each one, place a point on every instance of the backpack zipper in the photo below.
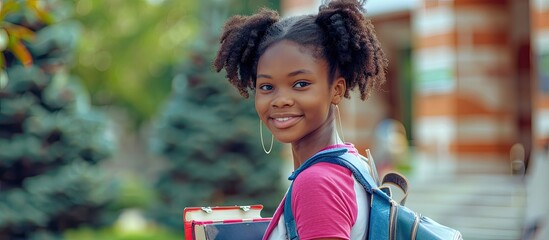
(415, 226)
(392, 220)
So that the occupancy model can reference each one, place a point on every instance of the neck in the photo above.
(309, 145)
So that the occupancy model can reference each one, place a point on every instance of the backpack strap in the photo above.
(380, 201)
(342, 158)
(392, 178)
(291, 230)
(289, 220)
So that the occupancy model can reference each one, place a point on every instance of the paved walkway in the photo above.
(483, 200)
(537, 208)
(480, 206)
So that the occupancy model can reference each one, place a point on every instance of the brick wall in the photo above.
(465, 97)
(540, 45)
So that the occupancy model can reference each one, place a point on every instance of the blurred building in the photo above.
(467, 78)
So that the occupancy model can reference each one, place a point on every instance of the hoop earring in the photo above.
(340, 126)
(262, 143)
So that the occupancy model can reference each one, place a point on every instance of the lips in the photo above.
(282, 122)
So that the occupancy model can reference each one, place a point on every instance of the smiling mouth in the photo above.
(282, 119)
(285, 122)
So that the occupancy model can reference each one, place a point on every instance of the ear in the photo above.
(338, 90)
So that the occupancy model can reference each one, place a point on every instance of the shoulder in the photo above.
(324, 202)
(322, 181)
(324, 173)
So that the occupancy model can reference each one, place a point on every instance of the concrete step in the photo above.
(488, 206)
(472, 233)
(466, 210)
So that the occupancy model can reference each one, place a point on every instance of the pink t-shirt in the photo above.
(327, 202)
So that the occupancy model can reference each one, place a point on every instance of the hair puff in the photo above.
(239, 41)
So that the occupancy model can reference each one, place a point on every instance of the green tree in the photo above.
(128, 49)
(51, 139)
(210, 136)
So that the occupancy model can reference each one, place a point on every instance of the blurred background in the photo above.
(112, 120)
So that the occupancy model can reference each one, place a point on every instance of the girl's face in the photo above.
(293, 96)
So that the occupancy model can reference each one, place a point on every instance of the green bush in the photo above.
(115, 233)
(133, 193)
(51, 139)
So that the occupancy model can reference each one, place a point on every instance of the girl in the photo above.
(299, 69)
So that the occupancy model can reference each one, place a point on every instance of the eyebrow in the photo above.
(292, 74)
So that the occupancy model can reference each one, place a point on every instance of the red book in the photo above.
(195, 218)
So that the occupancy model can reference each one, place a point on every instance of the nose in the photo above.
(282, 100)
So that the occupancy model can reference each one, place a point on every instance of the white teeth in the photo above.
(282, 119)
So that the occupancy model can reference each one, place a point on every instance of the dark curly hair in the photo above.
(339, 33)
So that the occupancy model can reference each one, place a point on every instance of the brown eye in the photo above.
(266, 87)
(301, 84)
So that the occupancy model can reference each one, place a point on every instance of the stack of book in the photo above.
(225, 222)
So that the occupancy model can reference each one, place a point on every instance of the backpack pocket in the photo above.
(406, 224)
